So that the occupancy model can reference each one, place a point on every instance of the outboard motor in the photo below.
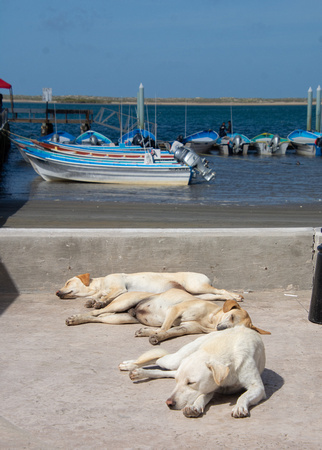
(274, 143)
(237, 143)
(190, 158)
(93, 140)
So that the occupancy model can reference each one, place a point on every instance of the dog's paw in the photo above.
(89, 303)
(127, 365)
(192, 411)
(99, 305)
(239, 412)
(154, 339)
(237, 297)
(72, 320)
(142, 332)
(137, 374)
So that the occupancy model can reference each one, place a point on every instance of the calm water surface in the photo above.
(251, 180)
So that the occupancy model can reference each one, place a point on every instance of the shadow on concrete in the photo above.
(8, 208)
(9, 291)
(272, 383)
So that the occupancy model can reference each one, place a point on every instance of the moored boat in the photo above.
(53, 166)
(306, 143)
(90, 144)
(233, 144)
(201, 141)
(91, 167)
(270, 144)
(58, 136)
(143, 138)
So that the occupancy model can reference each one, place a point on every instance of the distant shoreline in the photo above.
(86, 100)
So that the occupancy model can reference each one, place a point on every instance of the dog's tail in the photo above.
(151, 356)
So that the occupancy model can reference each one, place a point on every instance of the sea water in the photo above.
(249, 180)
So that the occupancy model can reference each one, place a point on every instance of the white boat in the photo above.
(306, 143)
(52, 166)
(270, 144)
(233, 144)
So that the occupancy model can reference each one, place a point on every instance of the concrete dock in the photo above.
(61, 387)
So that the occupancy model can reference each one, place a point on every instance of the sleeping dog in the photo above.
(101, 291)
(176, 311)
(224, 362)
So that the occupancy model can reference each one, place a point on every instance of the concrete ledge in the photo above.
(42, 260)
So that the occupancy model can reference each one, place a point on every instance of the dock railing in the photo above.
(45, 115)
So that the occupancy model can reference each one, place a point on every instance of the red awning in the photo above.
(4, 85)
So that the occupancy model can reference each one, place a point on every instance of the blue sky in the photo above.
(176, 48)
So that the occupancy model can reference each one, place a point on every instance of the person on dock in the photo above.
(222, 130)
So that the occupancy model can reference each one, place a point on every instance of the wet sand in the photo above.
(37, 213)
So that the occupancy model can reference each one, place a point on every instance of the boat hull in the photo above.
(201, 147)
(307, 149)
(202, 141)
(224, 149)
(304, 142)
(227, 144)
(51, 168)
(270, 144)
(263, 148)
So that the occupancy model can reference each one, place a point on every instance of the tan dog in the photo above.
(101, 291)
(174, 308)
(223, 362)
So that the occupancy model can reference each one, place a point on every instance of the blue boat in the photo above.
(58, 136)
(143, 138)
(91, 144)
(93, 138)
(306, 143)
(201, 142)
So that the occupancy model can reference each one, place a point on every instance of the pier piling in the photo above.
(309, 110)
(318, 109)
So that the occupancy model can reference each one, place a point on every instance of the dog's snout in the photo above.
(221, 326)
(58, 293)
(171, 403)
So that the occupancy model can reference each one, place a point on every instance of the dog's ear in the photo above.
(219, 371)
(259, 330)
(229, 305)
(85, 278)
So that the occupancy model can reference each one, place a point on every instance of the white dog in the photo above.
(101, 291)
(224, 362)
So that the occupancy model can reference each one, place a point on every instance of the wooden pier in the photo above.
(49, 116)
(4, 140)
